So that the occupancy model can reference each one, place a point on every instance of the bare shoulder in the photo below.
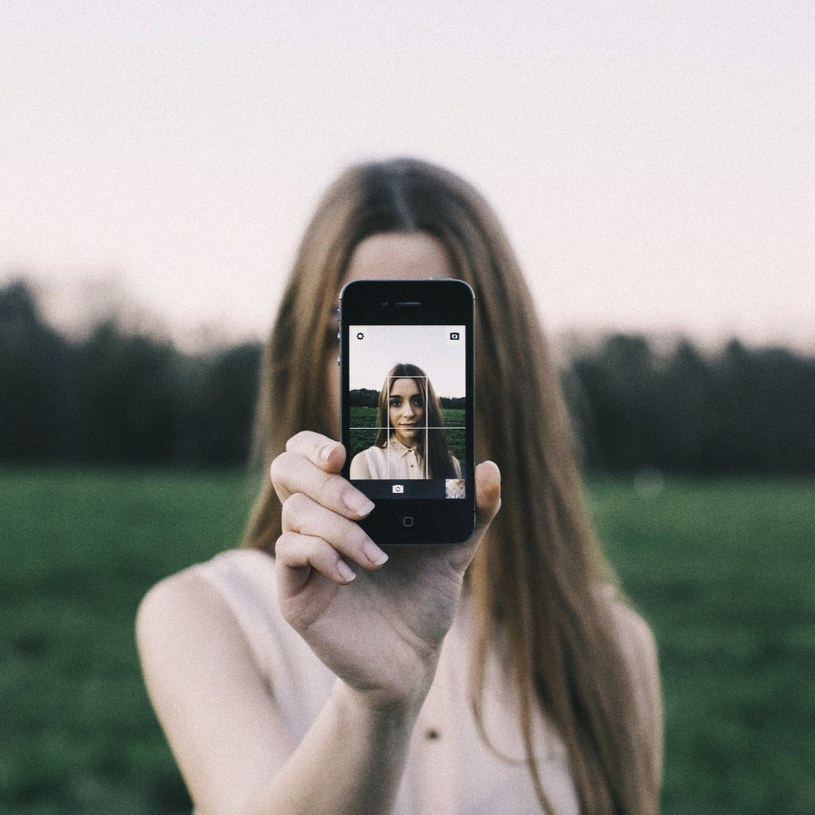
(176, 606)
(228, 603)
(183, 624)
(178, 589)
(639, 648)
(636, 637)
(212, 701)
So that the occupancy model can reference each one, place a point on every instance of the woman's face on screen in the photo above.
(406, 410)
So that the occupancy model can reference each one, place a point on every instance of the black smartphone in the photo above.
(407, 406)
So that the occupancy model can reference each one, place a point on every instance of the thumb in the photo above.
(487, 492)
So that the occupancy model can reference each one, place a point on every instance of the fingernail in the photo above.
(326, 451)
(358, 503)
(374, 554)
(345, 571)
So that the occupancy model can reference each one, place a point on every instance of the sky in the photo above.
(375, 349)
(652, 163)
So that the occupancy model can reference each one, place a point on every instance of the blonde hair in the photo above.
(534, 582)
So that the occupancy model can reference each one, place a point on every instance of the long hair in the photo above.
(534, 581)
(432, 444)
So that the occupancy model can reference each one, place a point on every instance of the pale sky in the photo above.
(428, 346)
(651, 162)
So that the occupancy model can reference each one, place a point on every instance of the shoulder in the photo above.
(369, 462)
(173, 597)
(222, 619)
(184, 627)
(639, 649)
(207, 607)
(214, 698)
(359, 465)
(178, 611)
(636, 637)
(636, 640)
(204, 587)
(209, 632)
(223, 612)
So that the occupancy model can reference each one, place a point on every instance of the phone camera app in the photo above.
(398, 489)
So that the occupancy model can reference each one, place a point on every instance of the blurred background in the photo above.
(652, 166)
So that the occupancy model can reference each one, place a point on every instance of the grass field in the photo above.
(722, 570)
(725, 574)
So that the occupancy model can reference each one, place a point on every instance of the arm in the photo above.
(372, 629)
(226, 733)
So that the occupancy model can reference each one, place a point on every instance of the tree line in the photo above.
(738, 410)
(117, 396)
(367, 397)
(123, 397)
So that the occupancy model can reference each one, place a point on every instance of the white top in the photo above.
(396, 461)
(449, 769)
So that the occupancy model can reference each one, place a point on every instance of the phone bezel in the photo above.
(432, 301)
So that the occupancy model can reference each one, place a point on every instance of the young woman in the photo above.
(309, 671)
(410, 442)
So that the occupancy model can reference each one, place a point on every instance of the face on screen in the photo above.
(407, 388)
(406, 413)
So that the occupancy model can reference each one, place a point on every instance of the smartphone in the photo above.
(407, 406)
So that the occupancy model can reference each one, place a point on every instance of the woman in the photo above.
(504, 674)
(409, 421)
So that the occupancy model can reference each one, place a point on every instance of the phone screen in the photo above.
(407, 397)
(407, 405)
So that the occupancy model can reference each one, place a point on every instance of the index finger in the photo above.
(325, 453)
(311, 465)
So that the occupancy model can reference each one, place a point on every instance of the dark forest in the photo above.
(122, 397)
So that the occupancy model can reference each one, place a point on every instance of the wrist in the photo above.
(379, 708)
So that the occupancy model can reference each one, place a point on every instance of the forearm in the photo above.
(350, 761)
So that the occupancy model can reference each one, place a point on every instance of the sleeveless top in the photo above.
(396, 461)
(450, 768)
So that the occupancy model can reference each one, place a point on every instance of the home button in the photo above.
(407, 521)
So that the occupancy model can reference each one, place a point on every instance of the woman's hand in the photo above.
(378, 627)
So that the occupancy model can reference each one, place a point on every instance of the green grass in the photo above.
(79, 550)
(725, 574)
(722, 570)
